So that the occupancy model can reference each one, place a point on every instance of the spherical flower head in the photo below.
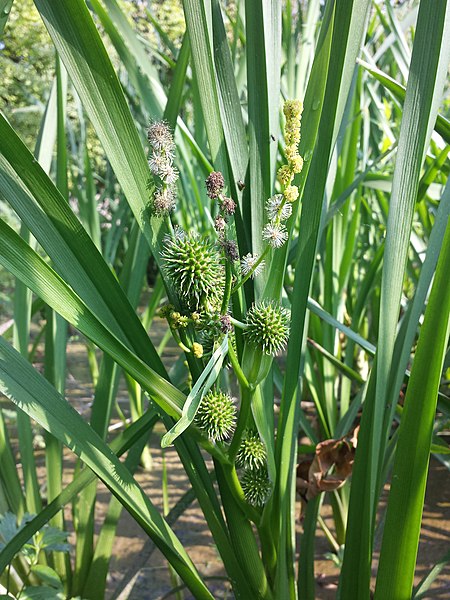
(193, 265)
(291, 152)
(160, 136)
(252, 452)
(268, 327)
(164, 200)
(291, 193)
(228, 205)
(216, 415)
(169, 174)
(276, 235)
(276, 208)
(248, 263)
(256, 486)
(296, 164)
(214, 184)
(220, 224)
(293, 109)
(285, 175)
(231, 250)
(159, 164)
(292, 137)
(225, 324)
(197, 350)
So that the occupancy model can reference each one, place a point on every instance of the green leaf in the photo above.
(33, 394)
(76, 38)
(427, 75)
(405, 503)
(48, 576)
(41, 592)
(21, 260)
(201, 387)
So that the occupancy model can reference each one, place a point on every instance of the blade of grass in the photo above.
(25, 387)
(405, 503)
(21, 260)
(339, 74)
(428, 68)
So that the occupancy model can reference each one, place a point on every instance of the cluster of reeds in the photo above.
(293, 197)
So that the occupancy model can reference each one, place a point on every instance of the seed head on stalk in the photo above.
(194, 266)
(256, 486)
(252, 452)
(216, 415)
(268, 327)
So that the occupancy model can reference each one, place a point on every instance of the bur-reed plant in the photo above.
(291, 198)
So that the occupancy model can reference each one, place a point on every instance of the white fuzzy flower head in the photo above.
(164, 200)
(275, 208)
(169, 175)
(159, 164)
(276, 235)
(160, 137)
(247, 264)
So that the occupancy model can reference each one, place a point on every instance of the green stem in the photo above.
(236, 489)
(244, 413)
(236, 366)
(227, 294)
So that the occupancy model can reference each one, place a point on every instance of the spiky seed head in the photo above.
(193, 265)
(214, 184)
(268, 327)
(256, 486)
(252, 452)
(216, 415)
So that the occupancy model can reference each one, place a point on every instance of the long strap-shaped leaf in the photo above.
(119, 445)
(201, 387)
(428, 69)
(347, 32)
(33, 394)
(404, 513)
(48, 216)
(28, 266)
(76, 38)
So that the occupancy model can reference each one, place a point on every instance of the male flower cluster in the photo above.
(161, 164)
(279, 207)
(215, 185)
(293, 112)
